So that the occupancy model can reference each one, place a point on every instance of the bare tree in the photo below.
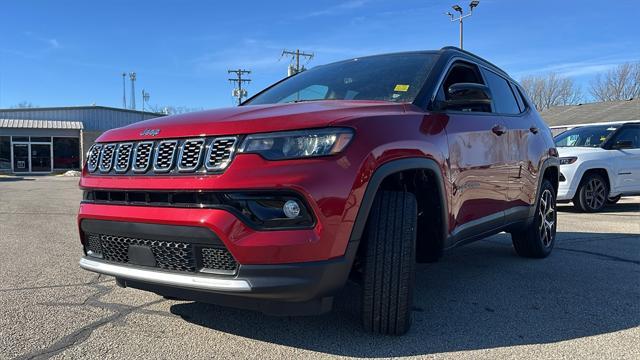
(620, 83)
(551, 90)
(23, 105)
(172, 110)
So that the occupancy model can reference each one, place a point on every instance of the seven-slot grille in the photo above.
(123, 157)
(106, 159)
(93, 157)
(191, 154)
(220, 153)
(168, 255)
(142, 156)
(163, 157)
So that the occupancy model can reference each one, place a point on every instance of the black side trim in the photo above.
(549, 162)
(390, 168)
(187, 234)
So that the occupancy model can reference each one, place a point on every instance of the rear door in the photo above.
(477, 160)
(526, 144)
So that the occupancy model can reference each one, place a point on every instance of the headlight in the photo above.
(568, 160)
(297, 144)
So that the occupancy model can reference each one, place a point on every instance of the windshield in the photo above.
(396, 77)
(586, 136)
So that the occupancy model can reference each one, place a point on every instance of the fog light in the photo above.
(291, 209)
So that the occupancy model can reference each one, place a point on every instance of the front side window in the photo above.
(504, 101)
(586, 136)
(628, 134)
(462, 72)
(394, 77)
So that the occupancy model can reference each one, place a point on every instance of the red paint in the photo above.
(474, 166)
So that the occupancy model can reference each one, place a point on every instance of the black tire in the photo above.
(613, 200)
(389, 263)
(592, 193)
(537, 240)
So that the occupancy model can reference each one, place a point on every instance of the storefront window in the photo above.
(66, 153)
(5, 153)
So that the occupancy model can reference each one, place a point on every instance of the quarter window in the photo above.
(504, 101)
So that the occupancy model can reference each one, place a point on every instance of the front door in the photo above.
(20, 158)
(40, 158)
(478, 154)
(627, 160)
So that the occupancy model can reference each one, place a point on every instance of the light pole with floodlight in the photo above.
(457, 8)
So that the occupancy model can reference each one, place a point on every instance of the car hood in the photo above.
(577, 151)
(252, 119)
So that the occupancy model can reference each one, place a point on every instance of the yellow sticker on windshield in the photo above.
(602, 138)
(401, 87)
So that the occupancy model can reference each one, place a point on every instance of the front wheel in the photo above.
(537, 240)
(592, 193)
(389, 263)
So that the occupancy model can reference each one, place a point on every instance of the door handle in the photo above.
(534, 129)
(499, 130)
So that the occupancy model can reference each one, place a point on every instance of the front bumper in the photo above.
(285, 289)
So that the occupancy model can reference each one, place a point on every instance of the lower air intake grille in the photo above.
(169, 255)
(217, 260)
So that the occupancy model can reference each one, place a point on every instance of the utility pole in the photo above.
(458, 8)
(145, 98)
(132, 77)
(239, 92)
(124, 91)
(295, 55)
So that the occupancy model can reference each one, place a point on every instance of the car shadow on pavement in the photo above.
(14, 179)
(477, 297)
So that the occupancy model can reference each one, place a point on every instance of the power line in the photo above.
(239, 92)
(295, 56)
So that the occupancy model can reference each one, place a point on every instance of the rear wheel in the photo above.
(592, 193)
(538, 239)
(389, 263)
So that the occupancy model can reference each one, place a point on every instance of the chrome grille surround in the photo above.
(93, 157)
(142, 156)
(165, 156)
(106, 157)
(191, 152)
(220, 153)
(123, 157)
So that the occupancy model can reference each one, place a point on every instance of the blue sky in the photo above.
(57, 53)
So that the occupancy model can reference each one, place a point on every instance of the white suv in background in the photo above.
(599, 164)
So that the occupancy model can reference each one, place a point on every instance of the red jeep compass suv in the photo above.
(354, 170)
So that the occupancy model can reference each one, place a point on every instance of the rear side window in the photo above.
(518, 96)
(503, 99)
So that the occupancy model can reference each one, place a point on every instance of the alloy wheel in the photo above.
(547, 218)
(595, 193)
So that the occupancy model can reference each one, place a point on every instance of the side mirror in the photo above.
(468, 97)
(622, 144)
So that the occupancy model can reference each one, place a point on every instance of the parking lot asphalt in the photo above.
(480, 301)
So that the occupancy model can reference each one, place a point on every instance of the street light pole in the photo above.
(460, 18)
